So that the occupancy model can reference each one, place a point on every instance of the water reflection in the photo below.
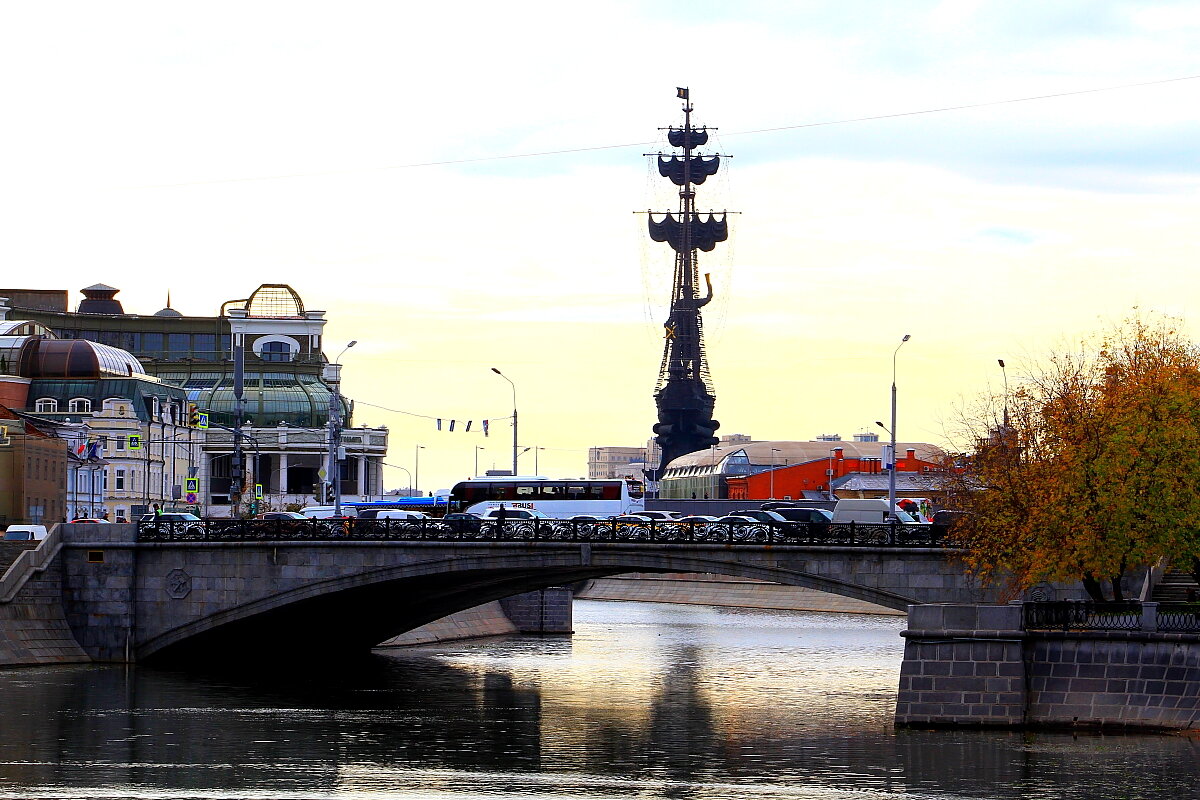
(645, 701)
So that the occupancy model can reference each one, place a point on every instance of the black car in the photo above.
(811, 516)
(463, 522)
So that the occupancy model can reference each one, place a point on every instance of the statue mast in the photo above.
(684, 393)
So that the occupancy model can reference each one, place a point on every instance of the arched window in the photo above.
(275, 351)
(80, 405)
(46, 405)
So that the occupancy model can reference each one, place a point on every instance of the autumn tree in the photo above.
(1090, 467)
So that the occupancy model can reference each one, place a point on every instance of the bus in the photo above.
(434, 506)
(560, 499)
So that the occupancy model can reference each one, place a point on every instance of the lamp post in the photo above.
(514, 394)
(774, 463)
(477, 449)
(536, 470)
(417, 468)
(829, 476)
(335, 429)
(1004, 372)
(892, 432)
(406, 472)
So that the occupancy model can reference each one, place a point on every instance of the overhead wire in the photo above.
(596, 148)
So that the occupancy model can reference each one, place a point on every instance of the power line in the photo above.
(596, 148)
(425, 416)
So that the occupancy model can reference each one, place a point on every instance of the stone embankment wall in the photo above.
(720, 590)
(545, 611)
(968, 665)
(33, 628)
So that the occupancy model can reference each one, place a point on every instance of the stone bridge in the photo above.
(130, 600)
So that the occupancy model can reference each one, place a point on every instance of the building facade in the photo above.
(279, 428)
(33, 473)
(605, 463)
(817, 470)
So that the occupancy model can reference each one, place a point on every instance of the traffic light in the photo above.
(193, 415)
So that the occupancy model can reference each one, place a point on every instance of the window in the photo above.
(80, 405)
(275, 351)
(120, 442)
(46, 405)
(120, 481)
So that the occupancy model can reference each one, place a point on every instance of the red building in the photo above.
(848, 469)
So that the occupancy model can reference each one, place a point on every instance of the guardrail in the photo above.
(545, 530)
(1132, 615)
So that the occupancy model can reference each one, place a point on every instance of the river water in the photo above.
(644, 701)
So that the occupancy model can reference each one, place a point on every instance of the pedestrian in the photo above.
(157, 512)
(501, 516)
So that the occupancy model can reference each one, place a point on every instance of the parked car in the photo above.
(631, 519)
(25, 533)
(327, 512)
(82, 520)
(698, 518)
(463, 522)
(511, 514)
(660, 516)
(760, 515)
(280, 515)
(812, 516)
(947, 519)
(391, 513)
(584, 518)
(169, 516)
(736, 519)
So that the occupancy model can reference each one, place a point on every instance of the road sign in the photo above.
(135, 441)
(202, 420)
(191, 498)
(192, 486)
(258, 491)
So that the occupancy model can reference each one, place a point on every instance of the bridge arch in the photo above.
(358, 610)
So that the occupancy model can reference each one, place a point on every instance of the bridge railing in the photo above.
(546, 530)
(1130, 615)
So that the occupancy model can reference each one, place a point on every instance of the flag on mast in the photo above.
(681, 92)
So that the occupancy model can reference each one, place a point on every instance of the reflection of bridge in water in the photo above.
(216, 587)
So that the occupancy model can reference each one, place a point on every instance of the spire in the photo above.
(684, 392)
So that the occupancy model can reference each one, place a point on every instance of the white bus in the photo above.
(560, 499)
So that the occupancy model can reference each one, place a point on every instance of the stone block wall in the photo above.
(967, 665)
(963, 665)
(1114, 678)
(98, 564)
(33, 629)
(542, 611)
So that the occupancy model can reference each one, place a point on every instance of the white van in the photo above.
(869, 512)
(326, 512)
(25, 533)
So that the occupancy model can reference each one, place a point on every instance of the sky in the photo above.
(454, 184)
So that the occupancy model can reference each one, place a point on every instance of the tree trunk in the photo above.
(1093, 587)
(1196, 568)
(1118, 596)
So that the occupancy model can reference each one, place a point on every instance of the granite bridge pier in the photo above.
(105, 593)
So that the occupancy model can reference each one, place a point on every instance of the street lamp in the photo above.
(514, 393)
(417, 469)
(477, 449)
(335, 429)
(1004, 372)
(892, 432)
(774, 463)
(536, 470)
